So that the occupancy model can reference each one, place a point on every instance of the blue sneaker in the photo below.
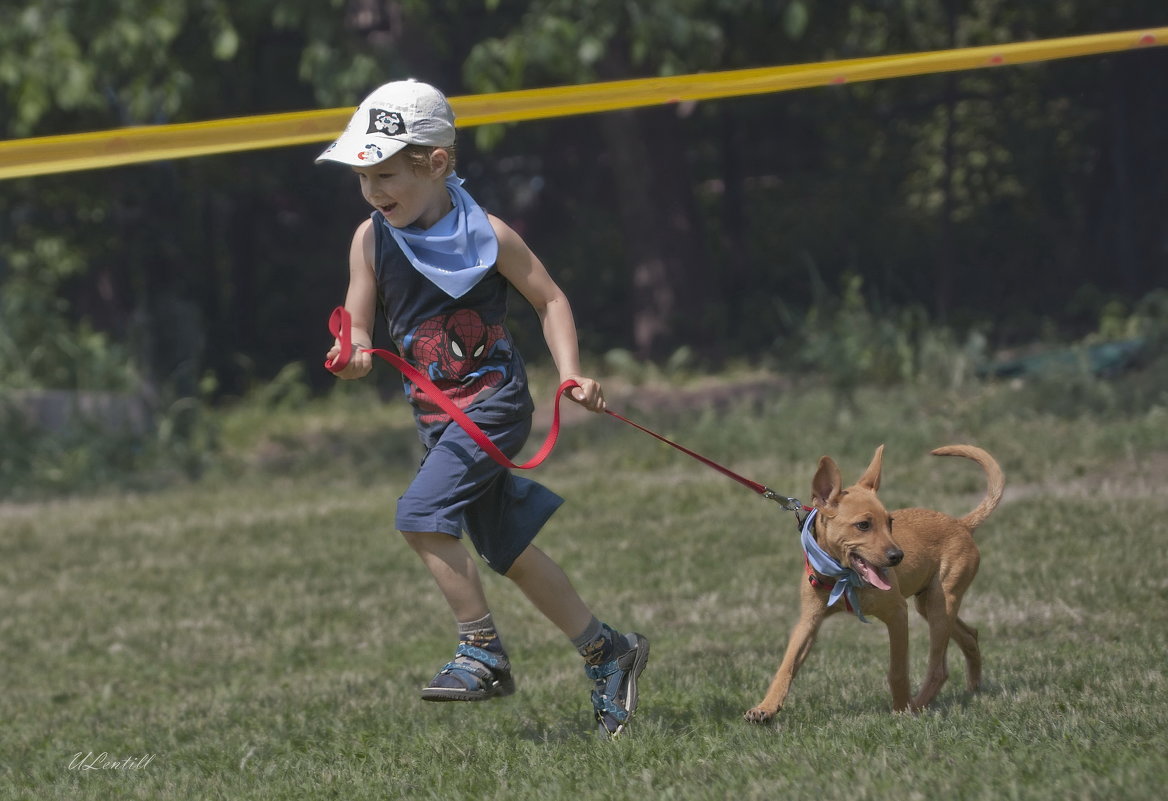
(615, 698)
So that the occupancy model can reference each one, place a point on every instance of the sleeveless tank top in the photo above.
(461, 344)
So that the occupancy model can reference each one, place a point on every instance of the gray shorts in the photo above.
(460, 488)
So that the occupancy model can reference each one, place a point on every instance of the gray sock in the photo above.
(481, 633)
(597, 643)
(484, 623)
(590, 633)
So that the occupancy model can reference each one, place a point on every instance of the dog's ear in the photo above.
(871, 477)
(825, 487)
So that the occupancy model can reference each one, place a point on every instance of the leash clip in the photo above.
(788, 504)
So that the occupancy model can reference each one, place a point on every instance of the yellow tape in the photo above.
(50, 154)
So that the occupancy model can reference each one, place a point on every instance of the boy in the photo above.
(436, 267)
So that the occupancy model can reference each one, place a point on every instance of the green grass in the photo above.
(263, 633)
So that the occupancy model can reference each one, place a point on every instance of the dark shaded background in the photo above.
(1020, 202)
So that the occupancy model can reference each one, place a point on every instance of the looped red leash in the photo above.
(340, 326)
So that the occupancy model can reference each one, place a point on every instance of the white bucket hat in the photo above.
(392, 116)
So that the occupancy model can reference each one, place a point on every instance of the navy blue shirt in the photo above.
(461, 344)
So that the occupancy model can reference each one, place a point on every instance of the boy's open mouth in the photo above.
(871, 575)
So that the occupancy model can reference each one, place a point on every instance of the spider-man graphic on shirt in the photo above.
(462, 354)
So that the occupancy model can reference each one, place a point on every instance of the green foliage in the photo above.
(953, 215)
(94, 266)
(286, 392)
(87, 447)
(39, 347)
(1079, 380)
(64, 60)
(847, 345)
(623, 365)
(1147, 321)
(653, 37)
(851, 342)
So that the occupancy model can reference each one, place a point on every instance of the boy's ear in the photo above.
(439, 161)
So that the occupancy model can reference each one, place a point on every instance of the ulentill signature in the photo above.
(90, 761)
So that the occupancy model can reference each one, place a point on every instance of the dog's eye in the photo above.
(863, 525)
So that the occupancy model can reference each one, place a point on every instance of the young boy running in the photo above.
(436, 268)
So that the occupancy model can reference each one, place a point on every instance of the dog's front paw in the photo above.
(758, 715)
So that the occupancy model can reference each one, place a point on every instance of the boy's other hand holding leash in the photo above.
(360, 362)
(588, 394)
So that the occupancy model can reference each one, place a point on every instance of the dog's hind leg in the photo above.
(965, 636)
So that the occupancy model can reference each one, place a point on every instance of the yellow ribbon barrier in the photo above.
(52, 154)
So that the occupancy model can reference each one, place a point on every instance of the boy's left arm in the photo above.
(527, 274)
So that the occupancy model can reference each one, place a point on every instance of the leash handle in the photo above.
(340, 324)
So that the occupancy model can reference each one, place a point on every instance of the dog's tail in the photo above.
(995, 480)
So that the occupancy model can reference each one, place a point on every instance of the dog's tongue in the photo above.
(870, 574)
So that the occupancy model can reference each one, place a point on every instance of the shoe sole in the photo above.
(639, 661)
(503, 687)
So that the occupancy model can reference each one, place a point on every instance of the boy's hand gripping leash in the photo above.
(340, 327)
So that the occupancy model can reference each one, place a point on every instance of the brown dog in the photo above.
(910, 552)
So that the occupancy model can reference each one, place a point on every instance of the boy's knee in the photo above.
(532, 564)
(428, 541)
(519, 565)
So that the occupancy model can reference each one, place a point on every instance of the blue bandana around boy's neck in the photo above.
(846, 579)
(457, 251)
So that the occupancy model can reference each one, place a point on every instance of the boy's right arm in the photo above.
(360, 302)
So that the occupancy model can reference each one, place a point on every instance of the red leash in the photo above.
(340, 327)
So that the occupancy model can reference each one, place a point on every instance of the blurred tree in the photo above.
(645, 152)
(196, 263)
(1020, 195)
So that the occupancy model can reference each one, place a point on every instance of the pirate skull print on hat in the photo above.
(392, 116)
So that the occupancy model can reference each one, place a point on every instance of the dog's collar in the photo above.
(822, 582)
(824, 571)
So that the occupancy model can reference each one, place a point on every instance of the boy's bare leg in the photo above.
(480, 668)
(453, 568)
(612, 660)
(547, 587)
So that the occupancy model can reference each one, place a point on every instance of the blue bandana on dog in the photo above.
(846, 580)
(456, 252)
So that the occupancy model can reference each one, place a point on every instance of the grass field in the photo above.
(262, 634)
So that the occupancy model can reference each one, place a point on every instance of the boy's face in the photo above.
(404, 194)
